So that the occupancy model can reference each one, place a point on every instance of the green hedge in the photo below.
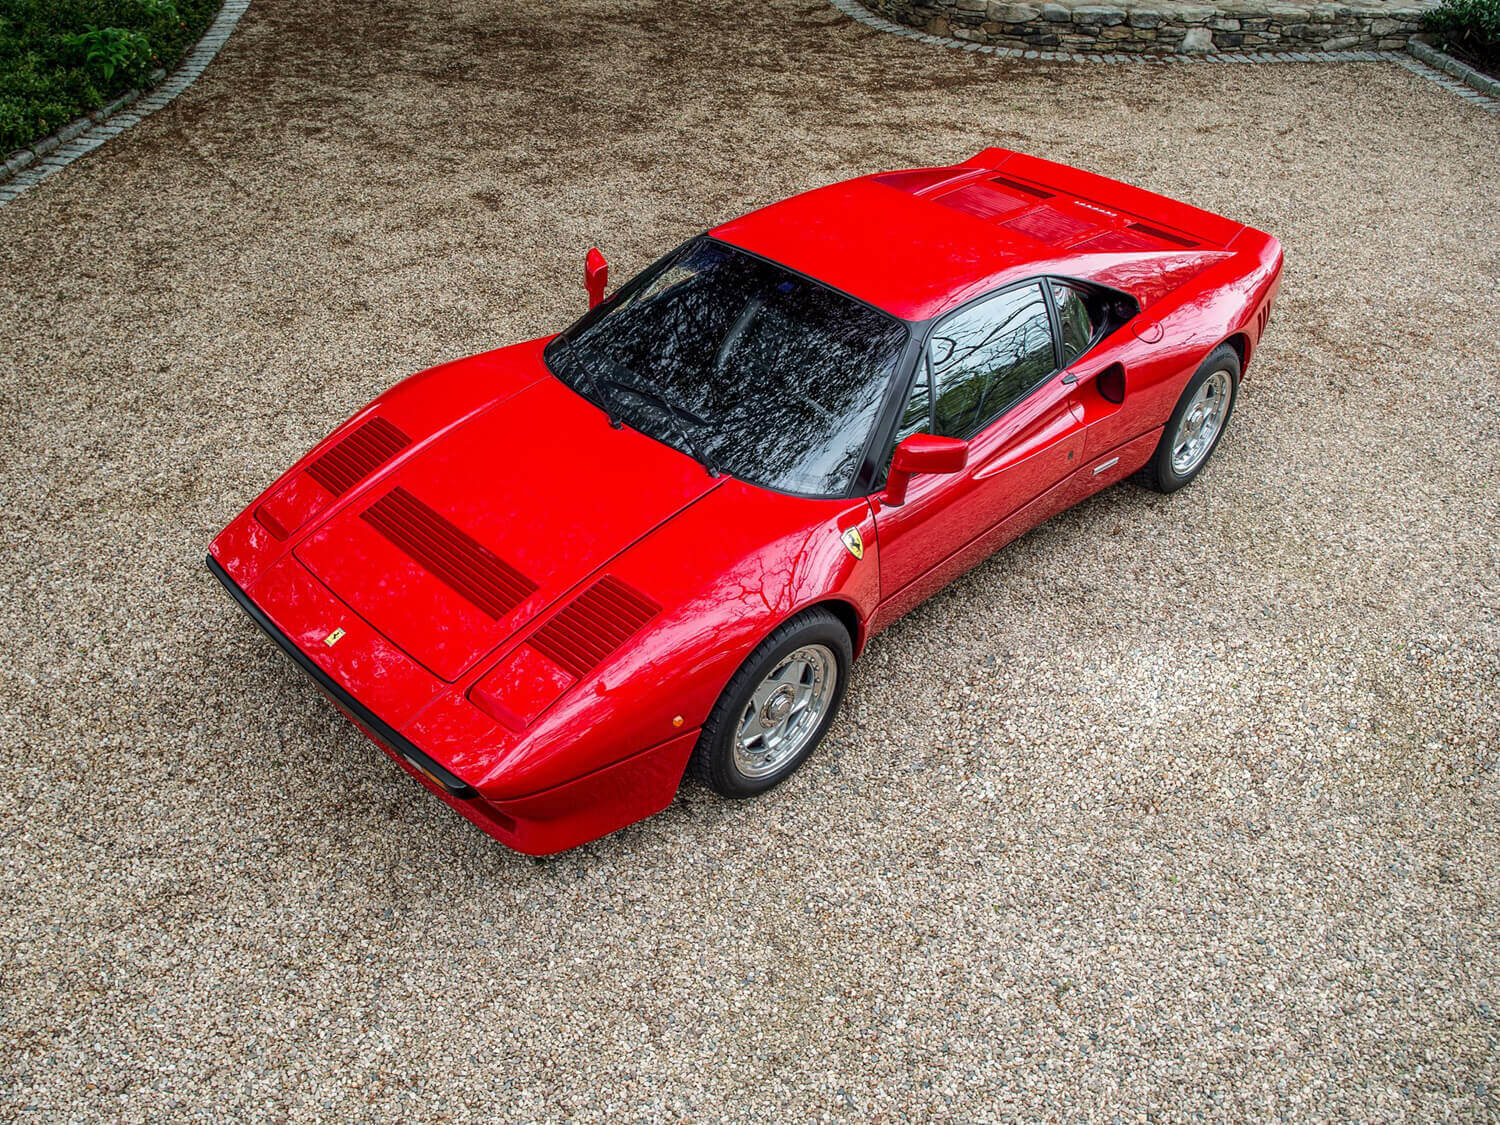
(61, 58)
(1469, 27)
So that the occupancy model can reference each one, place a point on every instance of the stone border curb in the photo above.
(1452, 85)
(30, 166)
(861, 14)
(1475, 79)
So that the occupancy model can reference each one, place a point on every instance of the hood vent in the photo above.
(363, 450)
(466, 565)
(593, 625)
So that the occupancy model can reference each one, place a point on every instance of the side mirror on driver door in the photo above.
(922, 453)
(595, 275)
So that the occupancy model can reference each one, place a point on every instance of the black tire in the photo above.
(1159, 473)
(713, 760)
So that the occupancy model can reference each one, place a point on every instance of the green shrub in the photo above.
(1472, 27)
(107, 51)
(61, 58)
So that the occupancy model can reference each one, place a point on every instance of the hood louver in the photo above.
(366, 447)
(593, 625)
(465, 564)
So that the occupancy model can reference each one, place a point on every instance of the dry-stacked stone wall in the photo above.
(1164, 25)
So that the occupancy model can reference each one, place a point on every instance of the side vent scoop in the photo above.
(593, 625)
(465, 564)
(365, 448)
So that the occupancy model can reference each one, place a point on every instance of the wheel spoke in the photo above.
(792, 672)
(750, 725)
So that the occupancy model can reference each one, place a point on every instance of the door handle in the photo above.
(1069, 379)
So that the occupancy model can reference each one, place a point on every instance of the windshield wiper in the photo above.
(674, 412)
(584, 374)
(635, 386)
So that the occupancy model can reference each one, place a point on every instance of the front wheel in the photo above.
(1197, 424)
(776, 708)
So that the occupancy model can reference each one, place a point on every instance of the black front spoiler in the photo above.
(381, 729)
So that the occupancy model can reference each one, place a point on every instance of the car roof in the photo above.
(917, 243)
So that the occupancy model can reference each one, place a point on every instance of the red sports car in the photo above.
(550, 579)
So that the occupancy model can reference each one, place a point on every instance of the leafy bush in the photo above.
(1470, 28)
(62, 58)
(107, 51)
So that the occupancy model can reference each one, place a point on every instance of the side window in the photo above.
(988, 357)
(1075, 319)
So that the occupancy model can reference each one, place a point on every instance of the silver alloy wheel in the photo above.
(1201, 423)
(785, 710)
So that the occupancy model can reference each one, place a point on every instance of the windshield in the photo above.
(751, 369)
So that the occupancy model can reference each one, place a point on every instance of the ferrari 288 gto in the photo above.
(550, 580)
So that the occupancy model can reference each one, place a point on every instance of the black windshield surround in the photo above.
(750, 368)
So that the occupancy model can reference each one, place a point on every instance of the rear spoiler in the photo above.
(1204, 226)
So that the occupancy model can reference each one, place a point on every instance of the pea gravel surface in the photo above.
(1181, 807)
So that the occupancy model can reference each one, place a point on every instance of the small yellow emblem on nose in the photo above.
(333, 638)
(853, 541)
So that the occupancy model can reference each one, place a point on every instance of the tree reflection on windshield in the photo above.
(776, 379)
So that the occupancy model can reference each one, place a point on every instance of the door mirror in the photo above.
(923, 453)
(595, 275)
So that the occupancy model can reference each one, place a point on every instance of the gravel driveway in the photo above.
(1184, 806)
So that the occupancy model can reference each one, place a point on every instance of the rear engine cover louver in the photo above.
(366, 447)
(984, 200)
(1047, 224)
(593, 625)
(463, 563)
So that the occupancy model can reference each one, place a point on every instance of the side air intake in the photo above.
(593, 625)
(463, 563)
(363, 450)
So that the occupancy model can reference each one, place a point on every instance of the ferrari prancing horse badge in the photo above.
(853, 541)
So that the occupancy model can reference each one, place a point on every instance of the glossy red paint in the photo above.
(535, 612)
(595, 275)
(915, 243)
(922, 453)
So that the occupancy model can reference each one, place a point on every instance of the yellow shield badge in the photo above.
(853, 541)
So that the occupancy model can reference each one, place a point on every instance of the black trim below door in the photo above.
(382, 730)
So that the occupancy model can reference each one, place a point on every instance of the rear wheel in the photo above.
(776, 708)
(1194, 430)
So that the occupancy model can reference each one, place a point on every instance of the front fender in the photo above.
(725, 572)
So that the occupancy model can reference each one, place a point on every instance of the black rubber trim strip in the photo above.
(381, 728)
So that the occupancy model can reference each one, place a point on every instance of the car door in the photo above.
(990, 376)
(1127, 372)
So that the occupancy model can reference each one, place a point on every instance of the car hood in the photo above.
(481, 528)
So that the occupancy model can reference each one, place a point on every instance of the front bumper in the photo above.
(542, 823)
(373, 724)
